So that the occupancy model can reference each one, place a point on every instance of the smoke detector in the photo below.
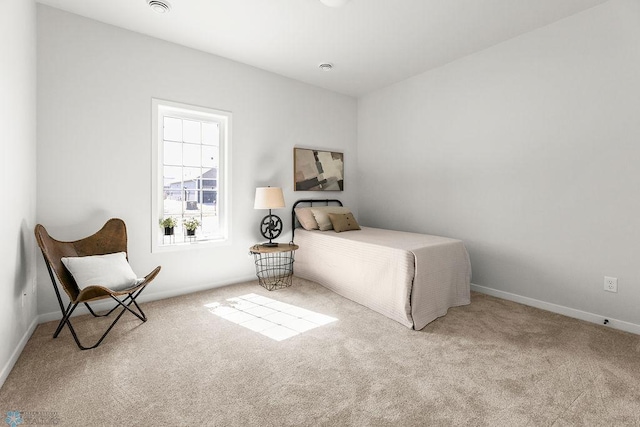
(326, 66)
(159, 6)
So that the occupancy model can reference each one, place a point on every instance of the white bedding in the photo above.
(411, 278)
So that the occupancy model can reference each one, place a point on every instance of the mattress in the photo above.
(409, 277)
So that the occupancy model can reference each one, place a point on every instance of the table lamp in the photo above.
(271, 225)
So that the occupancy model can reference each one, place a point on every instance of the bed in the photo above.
(409, 277)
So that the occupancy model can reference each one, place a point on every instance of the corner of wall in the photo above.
(18, 317)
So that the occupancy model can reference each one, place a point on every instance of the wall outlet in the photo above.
(610, 284)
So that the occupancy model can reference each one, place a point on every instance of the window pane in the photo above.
(172, 129)
(189, 176)
(208, 184)
(209, 156)
(191, 131)
(210, 173)
(172, 153)
(172, 175)
(172, 204)
(210, 134)
(210, 225)
(192, 154)
(190, 195)
(172, 194)
(192, 204)
(209, 198)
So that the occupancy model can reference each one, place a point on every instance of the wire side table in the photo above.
(274, 265)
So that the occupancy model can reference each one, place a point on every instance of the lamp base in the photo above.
(270, 228)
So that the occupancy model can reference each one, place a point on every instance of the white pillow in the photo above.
(306, 218)
(321, 215)
(111, 271)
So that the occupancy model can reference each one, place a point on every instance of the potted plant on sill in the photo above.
(191, 224)
(168, 224)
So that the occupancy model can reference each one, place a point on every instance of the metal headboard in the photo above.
(294, 221)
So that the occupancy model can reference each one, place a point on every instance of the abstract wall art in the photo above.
(316, 170)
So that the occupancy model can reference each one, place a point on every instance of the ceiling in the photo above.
(372, 43)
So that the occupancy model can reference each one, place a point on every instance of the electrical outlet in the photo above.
(610, 284)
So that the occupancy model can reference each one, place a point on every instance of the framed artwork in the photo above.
(316, 170)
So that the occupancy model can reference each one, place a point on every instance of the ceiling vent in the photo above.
(159, 6)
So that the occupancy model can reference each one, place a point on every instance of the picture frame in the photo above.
(317, 170)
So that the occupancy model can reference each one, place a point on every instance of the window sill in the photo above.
(188, 246)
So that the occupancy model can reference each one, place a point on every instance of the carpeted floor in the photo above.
(493, 363)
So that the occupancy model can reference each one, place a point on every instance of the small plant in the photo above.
(191, 223)
(168, 222)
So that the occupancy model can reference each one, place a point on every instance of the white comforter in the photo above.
(411, 278)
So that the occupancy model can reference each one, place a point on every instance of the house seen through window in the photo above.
(191, 182)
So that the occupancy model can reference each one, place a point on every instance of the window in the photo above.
(190, 176)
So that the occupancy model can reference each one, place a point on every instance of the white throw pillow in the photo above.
(111, 271)
(306, 218)
(321, 215)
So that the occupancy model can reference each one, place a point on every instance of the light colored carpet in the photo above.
(493, 362)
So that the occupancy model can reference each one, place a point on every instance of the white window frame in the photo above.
(223, 118)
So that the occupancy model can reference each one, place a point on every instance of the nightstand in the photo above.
(274, 264)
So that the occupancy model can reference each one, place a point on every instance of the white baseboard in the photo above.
(6, 369)
(560, 309)
(108, 304)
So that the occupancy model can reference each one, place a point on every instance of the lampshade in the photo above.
(269, 198)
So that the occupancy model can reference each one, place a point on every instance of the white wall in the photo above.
(95, 84)
(528, 151)
(17, 127)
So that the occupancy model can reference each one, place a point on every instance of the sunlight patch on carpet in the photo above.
(274, 319)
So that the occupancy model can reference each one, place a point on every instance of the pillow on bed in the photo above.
(321, 215)
(306, 218)
(343, 222)
(111, 271)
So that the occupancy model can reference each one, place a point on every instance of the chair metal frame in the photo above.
(112, 237)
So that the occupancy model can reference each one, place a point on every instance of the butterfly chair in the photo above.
(111, 239)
